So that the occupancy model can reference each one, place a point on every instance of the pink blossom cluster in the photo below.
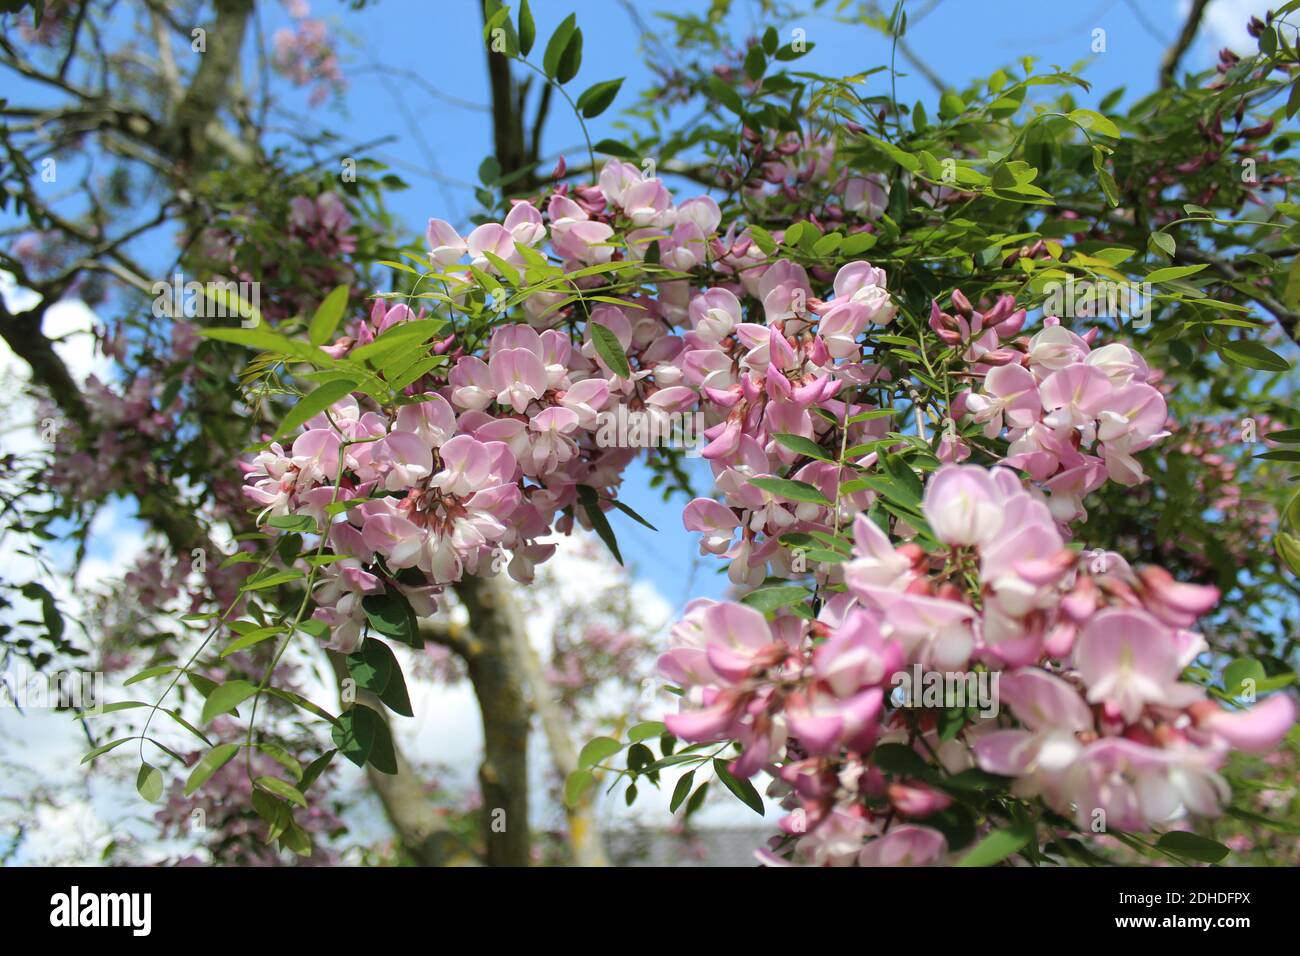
(496, 454)
(499, 448)
(1073, 415)
(306, 53)
(313, 254)
(1088, 650)
(120, 426)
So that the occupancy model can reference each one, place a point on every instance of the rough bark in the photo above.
(495, 671)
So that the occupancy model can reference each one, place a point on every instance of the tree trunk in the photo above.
(494, 670)
(585, 841)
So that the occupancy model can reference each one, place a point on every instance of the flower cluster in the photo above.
(1088, 652)
(306, 54)
(498, 446)
(1073, 415)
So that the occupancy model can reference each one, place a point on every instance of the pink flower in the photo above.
(518, 377)
(446, 247)
(405, 459)
(962, 505)
(1257, 730)
(905, 845)
(1128, 659)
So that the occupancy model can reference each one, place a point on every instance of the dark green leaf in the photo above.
(743, 789)
(596, 99)
(998, 845)
(390, 614)
(609, 349)
(1192, 846)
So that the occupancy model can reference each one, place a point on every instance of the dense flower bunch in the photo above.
(1056, 399)
(313, 253)
(500, 447)
(1088, 651)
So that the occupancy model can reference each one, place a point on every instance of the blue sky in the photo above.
(416, 71)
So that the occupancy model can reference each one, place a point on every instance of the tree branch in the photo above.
(1174, 55)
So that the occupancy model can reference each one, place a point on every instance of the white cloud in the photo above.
(1225, 22)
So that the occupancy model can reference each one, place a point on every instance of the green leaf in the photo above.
(1175, 272)
(305, 524)
(645, 730)
(149, 783)
(315, 769)
(770, 599)
(1094, 122)
(596, 99)
(599, 523)
(1241, 670)
(282, 789)
(743, 789)
(610, 349)
(375, 668)
(681, 791)
(575, 785)
(391, 615)
(951, 105)
(900, 760)
(899, 156)
(225, 698)
(598, 749)
(612, 147)
(1253, 355)
(1192, 846)
(568, 59)
(998, 845)
(363, 737)
(327, 316)
(105, 748)
(527, 28)
(273, 342)
(1288, 549)
(245, 641)
(281, 756)
(791, 490)
(149, 672)
(803, 446)
(755, 63)
(627, 510)
(1162, 242)
(270, 578)
(857, 244)
(210, 763)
